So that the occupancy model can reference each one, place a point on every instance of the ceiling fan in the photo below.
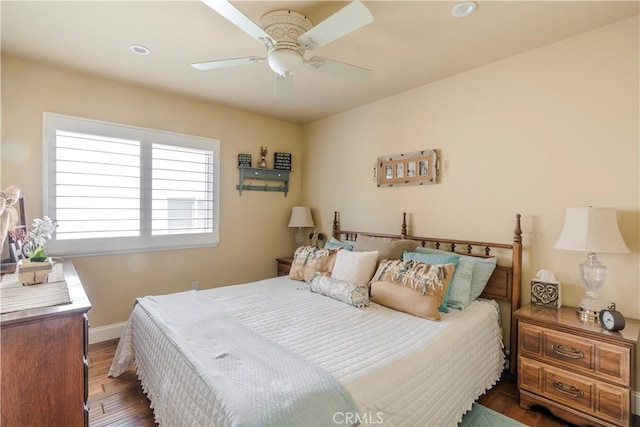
(287, 35)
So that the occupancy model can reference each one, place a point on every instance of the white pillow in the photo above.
(355, 267)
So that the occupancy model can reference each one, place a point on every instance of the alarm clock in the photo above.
(611, 319)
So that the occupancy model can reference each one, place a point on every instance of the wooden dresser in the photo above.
(44, 369)
(577, 370)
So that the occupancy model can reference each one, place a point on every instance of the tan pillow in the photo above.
(391, 269)
(401, 298)
(412, 287)
(387, 248)
(309, 260)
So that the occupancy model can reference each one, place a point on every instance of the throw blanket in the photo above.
(257, 381)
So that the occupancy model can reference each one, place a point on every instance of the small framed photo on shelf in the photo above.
(415, 168)
(244, 160)
(282, 161)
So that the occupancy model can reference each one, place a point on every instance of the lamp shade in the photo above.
(591, 230)
(301, 217)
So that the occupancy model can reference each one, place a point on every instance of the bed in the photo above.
(273, 353)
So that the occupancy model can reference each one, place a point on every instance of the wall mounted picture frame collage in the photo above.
(415, 168)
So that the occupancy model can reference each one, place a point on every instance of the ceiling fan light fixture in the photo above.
(463, 9)
(285, 62)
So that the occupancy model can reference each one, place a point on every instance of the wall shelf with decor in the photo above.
(261, 174)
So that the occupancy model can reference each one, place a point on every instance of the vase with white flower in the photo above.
(35, 266)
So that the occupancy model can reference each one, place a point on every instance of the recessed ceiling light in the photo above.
(465, 8)
(139, 49)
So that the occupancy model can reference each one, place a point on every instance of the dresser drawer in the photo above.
(606, 361)
(608, 402)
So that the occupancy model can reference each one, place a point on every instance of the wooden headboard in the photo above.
(505, 282)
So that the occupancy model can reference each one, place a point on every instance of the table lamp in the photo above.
(591, 230)
(300, 217)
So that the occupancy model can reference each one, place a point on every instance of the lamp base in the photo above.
(589, 308)
(588, 315)
(299, 237)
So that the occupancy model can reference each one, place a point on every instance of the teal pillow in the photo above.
(480, 270)
(334, 243)
(457, 295)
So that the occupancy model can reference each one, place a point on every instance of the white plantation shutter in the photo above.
(181, 193)
(115, 188)
(97, 186)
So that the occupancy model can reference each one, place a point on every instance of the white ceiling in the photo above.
(409, 44)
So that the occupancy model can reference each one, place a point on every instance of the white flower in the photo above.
(42, 230)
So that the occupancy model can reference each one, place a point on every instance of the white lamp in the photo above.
(300, 217)
(591, 230)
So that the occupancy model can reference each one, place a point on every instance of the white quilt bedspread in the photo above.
(399, 369)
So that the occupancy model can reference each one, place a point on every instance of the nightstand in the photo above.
(284, 265)
(577, 370)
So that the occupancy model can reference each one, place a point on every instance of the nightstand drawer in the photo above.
(284, 266)
(606, 401)
(606, 361)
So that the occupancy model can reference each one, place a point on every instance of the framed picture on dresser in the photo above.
(11, 247)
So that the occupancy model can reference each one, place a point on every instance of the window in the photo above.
(117, 188)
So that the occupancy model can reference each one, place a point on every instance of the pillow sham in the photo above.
(481, 270)
(457, 295)
(350, 293)
(387, 248)
(412, 287)
(334, 243)
(355, 267)
(309, 260)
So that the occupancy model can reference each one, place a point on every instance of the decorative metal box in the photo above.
(546, 294)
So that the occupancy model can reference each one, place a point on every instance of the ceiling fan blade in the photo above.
(348, 19)
(338, 69)
(233, 15)
(284, 86)
(224, 63)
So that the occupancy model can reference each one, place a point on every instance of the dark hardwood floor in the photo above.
(121, 402)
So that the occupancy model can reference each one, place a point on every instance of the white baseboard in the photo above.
(110, 332)
(105, 333)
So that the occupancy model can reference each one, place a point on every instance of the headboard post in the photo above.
(403, 230)
(515, 293)
(336, 225)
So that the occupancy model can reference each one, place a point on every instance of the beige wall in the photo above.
(113, 282)
(552, 128)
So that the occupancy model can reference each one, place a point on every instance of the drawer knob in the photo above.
(566, 351)
(569, 390)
